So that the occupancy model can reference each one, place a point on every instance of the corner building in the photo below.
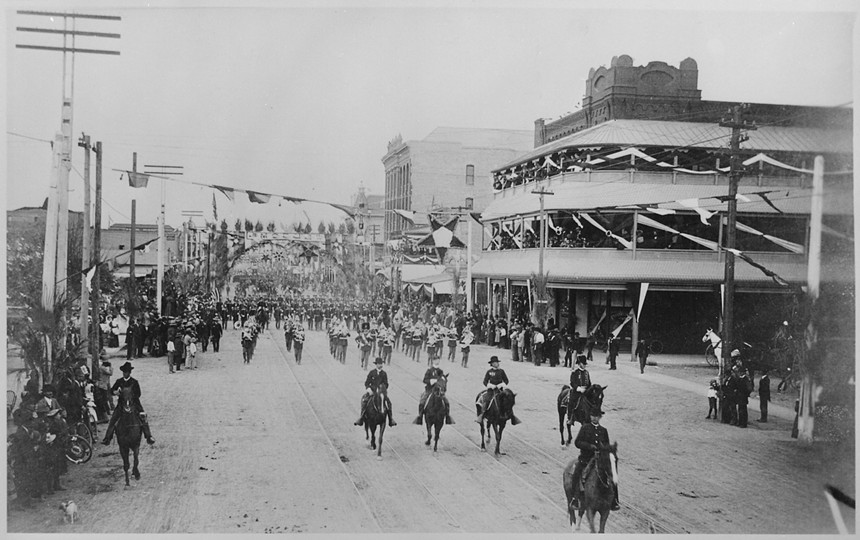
(635, 174)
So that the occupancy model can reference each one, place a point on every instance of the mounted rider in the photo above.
(127, 381)
(496, 382)
(433, 374)
(591, 437)
(580, 380)
(375, 378)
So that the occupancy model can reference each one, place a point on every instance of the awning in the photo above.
(411, 272)
(441, 283)
(577, 266)
(614, 189)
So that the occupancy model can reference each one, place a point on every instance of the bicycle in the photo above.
(711, 355)
(78, 449)
(656, 346)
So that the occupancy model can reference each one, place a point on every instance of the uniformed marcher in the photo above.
(580, 380)
(433, 374)
(591, 437)
(127, 381)
(375, 378)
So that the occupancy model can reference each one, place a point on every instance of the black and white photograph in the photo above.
(435, 267)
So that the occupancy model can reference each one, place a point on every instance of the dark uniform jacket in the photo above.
(495, 376)
(135, 389)
(589, 438)
(375, 378)
(579, 377)
(432, 373)
(764, 388)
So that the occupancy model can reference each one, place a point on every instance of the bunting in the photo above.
(623, 241)
(648, 222)
(442, 236)
(693, 204)
(408, 215)
(228, 192)
(791, 246)
(259, 198)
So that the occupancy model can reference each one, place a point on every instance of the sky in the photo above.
(302, 98)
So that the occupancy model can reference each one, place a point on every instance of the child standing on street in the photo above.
(712, 399)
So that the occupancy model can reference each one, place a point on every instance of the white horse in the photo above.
(716, 342)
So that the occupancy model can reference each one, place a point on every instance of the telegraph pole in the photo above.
(86, 257)
(132, 289)
(543, 233)
(162, 239)
(737, 125)
(97, 245)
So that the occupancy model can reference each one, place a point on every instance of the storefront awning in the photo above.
(576, 266)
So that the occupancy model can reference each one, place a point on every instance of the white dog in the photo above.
(70, 511)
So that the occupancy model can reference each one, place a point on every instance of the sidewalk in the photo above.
(652, 373)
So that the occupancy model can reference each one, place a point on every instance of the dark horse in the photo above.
(599, 481)
(499, 411)
(435, 410)
(375, 414)
(592, 398)
(128, 431)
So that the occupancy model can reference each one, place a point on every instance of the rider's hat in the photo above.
(597, 412)
(581, 359)
(493, 359)
(378, 361)
(126, 367)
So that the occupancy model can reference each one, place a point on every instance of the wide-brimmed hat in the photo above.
(581, 359)
(596, 412)
(378, 361)
(493, 359)
(126, 367)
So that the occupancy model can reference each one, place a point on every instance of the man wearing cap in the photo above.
(375, 378)
(494, 379)
(433, 374)
(127, 381)
(591, 437)
(365, 343)
(580, 380)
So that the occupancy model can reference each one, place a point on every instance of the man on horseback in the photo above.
(430, 377)
(374, 378)
(580, 380)
(495, 381)
(127, 381)
(591, 437)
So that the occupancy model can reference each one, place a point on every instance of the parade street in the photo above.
(270, 447)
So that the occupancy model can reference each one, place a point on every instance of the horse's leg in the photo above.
(439, 424)
(381, 433)
(123, 451)
(483, 446)
(604, 516)
(427, 422)
(581, 512)
(134, 470)
(498, 429)
(561, 415)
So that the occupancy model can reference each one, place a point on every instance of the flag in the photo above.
(90, 274)
(137, 180)
(214, 207)
(348, 210)
(408, 215)
(704, 215)
(476, 216)
(260, 198)
(228, 192)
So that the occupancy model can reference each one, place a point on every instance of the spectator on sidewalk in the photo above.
(642, 354)
(763, 395)
(712, 399)
(612, 350)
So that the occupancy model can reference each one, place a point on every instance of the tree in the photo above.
(321, 228)
(308, 228)
(258, 227)
(238, 225)
(341, 229)
(297, 227)
(223, 226)
(271, 226)
(331, 227)
(248, 225)
(540, 305)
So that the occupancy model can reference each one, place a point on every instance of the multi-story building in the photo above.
(632, 229)
(116, 246)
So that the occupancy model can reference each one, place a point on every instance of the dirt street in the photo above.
(271, 447)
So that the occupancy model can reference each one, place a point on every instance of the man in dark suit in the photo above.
(614, 346)
(590, 438)
(375, 378)
(495, 380)
(763, 395)
(127, 381)
(433, 374)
